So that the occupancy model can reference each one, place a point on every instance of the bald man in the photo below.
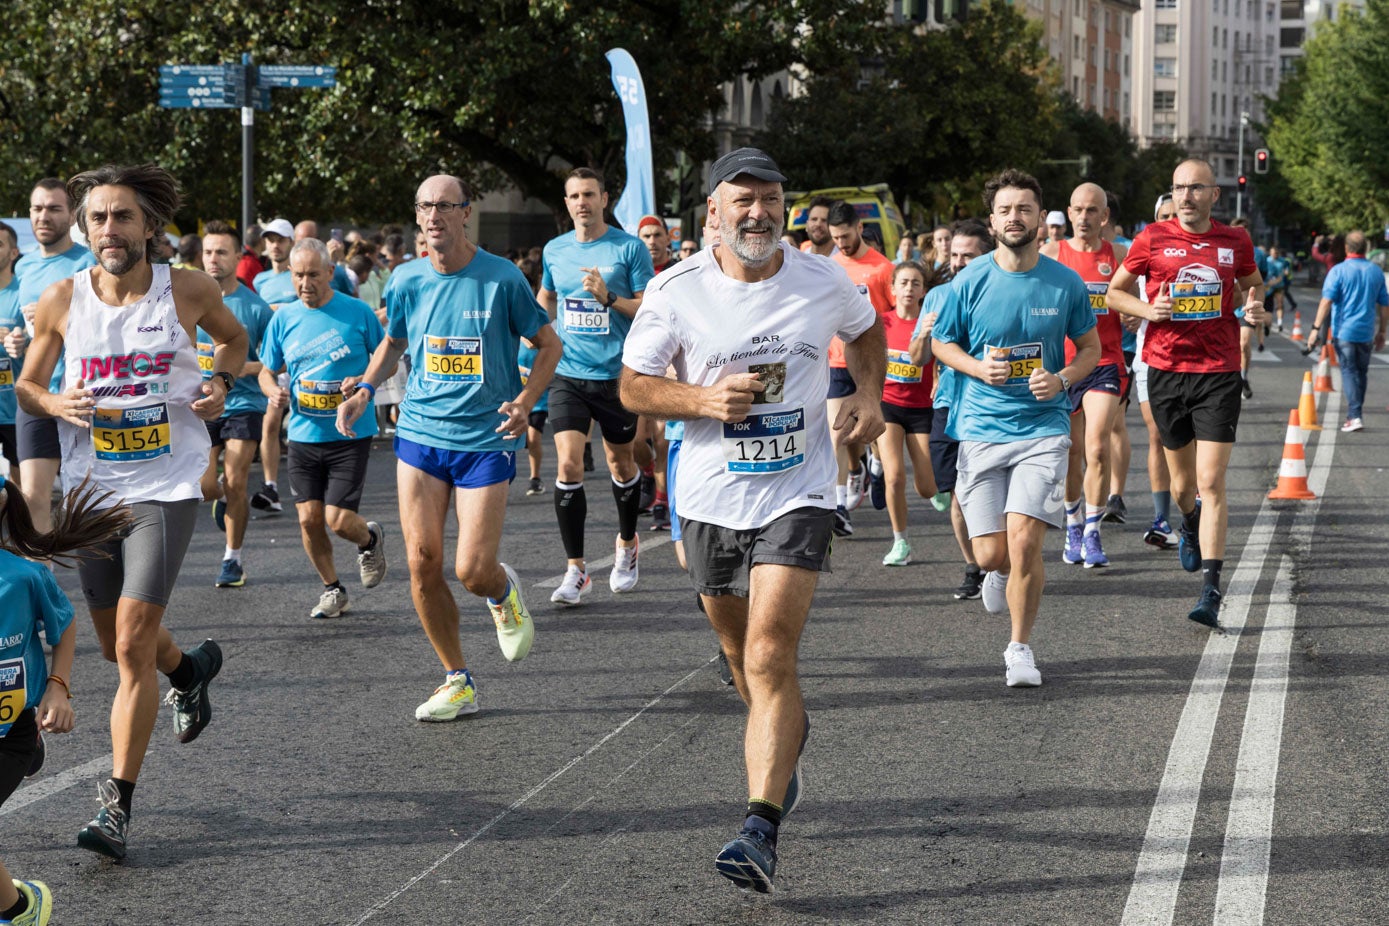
(1194, 266)
(1095, 399)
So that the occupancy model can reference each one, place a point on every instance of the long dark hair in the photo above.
(80, 525)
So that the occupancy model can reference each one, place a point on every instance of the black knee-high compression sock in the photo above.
(571, 510)
(628, 495)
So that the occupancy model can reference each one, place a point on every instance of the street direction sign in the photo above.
(201, 86)
(296, 75)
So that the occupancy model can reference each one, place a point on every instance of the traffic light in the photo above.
(1243, 182)
(1260, 160)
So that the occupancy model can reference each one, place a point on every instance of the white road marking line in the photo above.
(1157, 878)
(605, 562)
(519, 802)
(47, 787)
(1267, 356)
(1240, 896)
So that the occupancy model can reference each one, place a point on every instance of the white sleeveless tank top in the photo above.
(145, 443)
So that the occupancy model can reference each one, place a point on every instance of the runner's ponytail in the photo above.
(79, 526)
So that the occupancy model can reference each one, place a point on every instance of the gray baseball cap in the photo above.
(739, 161)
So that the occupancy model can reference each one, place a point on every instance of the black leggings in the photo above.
(17, 751)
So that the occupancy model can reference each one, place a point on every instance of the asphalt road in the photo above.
(1160, 775)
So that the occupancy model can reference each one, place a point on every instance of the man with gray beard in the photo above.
(747, 326)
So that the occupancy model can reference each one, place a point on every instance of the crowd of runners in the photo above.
(783, 385)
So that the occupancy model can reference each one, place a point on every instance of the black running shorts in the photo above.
(1194, 406)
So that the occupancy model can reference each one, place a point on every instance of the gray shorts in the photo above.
(1026, 477)
(144, 561)
(721, 558)
(1140, 382)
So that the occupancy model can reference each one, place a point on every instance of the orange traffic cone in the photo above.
(1292, 472)
(1330, 354)
(1323, 380)
(1297, 326)
(1307, 406)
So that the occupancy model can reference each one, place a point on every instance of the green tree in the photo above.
(930, 113)
(507, 94)
(1329, 127)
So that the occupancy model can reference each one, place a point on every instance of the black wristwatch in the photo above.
(608, 302)
(227, 379)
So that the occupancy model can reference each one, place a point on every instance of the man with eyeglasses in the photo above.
(460, 313)
(592, 285)
(1194, 266)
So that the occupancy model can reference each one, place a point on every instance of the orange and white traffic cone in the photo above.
(1307, 406)
(1297, 326)
(1292, 472)
(1323, 380)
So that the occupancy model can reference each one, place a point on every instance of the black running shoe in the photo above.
(725, 670)
(267, 498)
(648, 493)
(1207, 610)
(106, 834)
(1115, 511)
(973, 584)
(192, 709)
(660, 517)
(36, 762)
(843, 527)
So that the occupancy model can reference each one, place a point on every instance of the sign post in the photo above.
(238, 86)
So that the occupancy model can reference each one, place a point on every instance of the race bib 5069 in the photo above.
(900, 368)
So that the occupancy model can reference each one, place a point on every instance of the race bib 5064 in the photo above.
(452, 360)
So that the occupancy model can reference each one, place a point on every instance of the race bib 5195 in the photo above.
(320, 398)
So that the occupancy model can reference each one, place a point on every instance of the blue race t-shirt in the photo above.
(10, 367)
(525, 360)
(276, 287)
(36, 273)
(254, 315)
(592, 333)
(1024, 318)
(463, 330)
(1355, 287)
(319, 348)
(946, 380)
(29, 600)
(342, 282)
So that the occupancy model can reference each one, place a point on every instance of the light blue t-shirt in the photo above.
(29, 600)
(675, 430)
(1355, 287)
(341, 281)
(319, 348)
(36, 273)
(254, 315)
(946, 380)
(10, 367)
(464, 331)
(1028, 315)
(593, 334)
(276, 287)
(525, 360)
(1277, 273)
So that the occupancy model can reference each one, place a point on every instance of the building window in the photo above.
(1268, 75)
(1164, 4)
(1126, 65)
(1164, 67)
(1075, 88)
(1291, 38)
(1215, 71)
(1165, 33)
(1164, 101)
(1215, 37)
(1128, 24)
(1126, 105)
(1167, 130)
(1075, 46)
(1225, 39)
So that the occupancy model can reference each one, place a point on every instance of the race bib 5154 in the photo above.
(126, 435)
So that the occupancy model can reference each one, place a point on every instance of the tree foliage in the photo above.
(507, 94)
(1329, 128)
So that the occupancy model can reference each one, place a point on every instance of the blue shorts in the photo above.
(672, 458)
(463, 469)
(841, 383)
(1102, 379)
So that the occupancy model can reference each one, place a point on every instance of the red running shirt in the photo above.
(872, 274)
(907, 385)
(1203, 335)
(1096, 268)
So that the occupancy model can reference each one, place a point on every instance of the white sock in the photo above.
(841, 496)
(233, 555)
(271, 485)
(1093, 513)
(1074, 515)
(899, 535)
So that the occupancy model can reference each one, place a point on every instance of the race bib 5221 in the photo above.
(1194, 302)
(452, 360)
(127, 435)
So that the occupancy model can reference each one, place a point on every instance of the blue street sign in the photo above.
(196, 103)
(226, 72)
(296, 75)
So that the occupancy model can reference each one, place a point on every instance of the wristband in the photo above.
(61, 681)
(368, 387)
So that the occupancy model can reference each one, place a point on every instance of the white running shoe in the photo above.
(456, 696)
(515, 630)
(856, 485)
(1022, 668)
(624, 574)
(332, 603)
(995, 592)
(571, 590)
(371, 564)
(1353, 424)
